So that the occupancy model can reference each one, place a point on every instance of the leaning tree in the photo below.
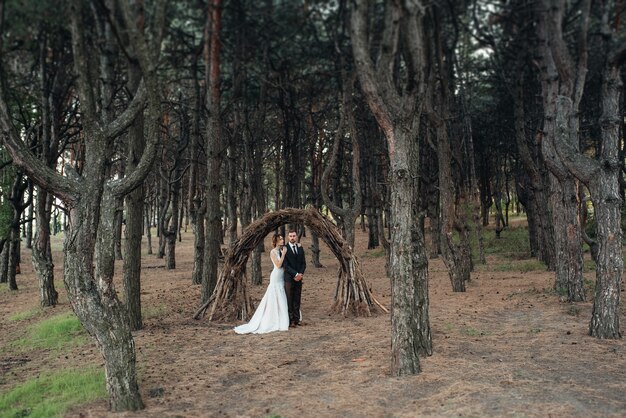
(230, 299)
(90, 290)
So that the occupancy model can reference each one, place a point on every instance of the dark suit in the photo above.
(293, 264)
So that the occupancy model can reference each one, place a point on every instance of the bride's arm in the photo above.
(278, 262)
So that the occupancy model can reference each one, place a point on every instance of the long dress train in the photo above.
(272, 313)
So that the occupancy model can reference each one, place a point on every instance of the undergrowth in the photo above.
(52, 394)
(53, 333)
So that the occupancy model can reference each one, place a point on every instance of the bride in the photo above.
(272, 313)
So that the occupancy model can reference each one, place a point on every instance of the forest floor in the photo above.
(507, 347)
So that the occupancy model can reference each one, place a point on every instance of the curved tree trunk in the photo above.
(42, 253)
(562, 82)
(95, 301)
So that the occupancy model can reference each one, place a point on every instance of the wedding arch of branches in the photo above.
(230, 299)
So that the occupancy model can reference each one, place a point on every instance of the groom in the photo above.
(294, 264)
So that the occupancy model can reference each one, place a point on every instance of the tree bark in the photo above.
(214, 149)
(562, 86)
(42, 252)
(398, 117)
(194, 198)
(538, 213)
(607, 205)
(345, 216)
(148, 226)
(93, 296)
(451, 252)
(134, 215)
(28, 230)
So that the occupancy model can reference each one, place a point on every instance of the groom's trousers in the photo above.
(293, 289)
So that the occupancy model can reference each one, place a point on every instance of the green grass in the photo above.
(52, 394)
(512, 244)
(375, 253)
(589, 265)
(522, 267)
(21, 316)
(54, 333)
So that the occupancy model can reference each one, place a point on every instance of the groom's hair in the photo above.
(292, 230)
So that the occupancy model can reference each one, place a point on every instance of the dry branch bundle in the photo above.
(230, 299)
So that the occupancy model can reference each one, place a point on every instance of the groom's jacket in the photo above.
(294, 263)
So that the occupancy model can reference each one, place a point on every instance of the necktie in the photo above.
(295, 249)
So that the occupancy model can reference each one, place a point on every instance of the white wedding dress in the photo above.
(272, 313)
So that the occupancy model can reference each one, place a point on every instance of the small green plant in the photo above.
(471, 332)
(52, 394)
(535, 330)
(21, 316)
(56, 332)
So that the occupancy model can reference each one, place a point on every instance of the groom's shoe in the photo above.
(293, 325)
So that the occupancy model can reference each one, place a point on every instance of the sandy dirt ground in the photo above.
(506, 347)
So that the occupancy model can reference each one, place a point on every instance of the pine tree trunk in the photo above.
(213, 236)
(453, 255)
(42, 255)
(4, 262)
(28, 231)
(134, 215)
(408, 266)
(231, 195)
(315, 250)
(13, 258)
(372, 228)
(607, 205)
(398, 117)
(197, 224)
(569, 260)
(96, 304)
(172, 231)
(562, 83)
(196, 171)
(148, 226)
(119, 220)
